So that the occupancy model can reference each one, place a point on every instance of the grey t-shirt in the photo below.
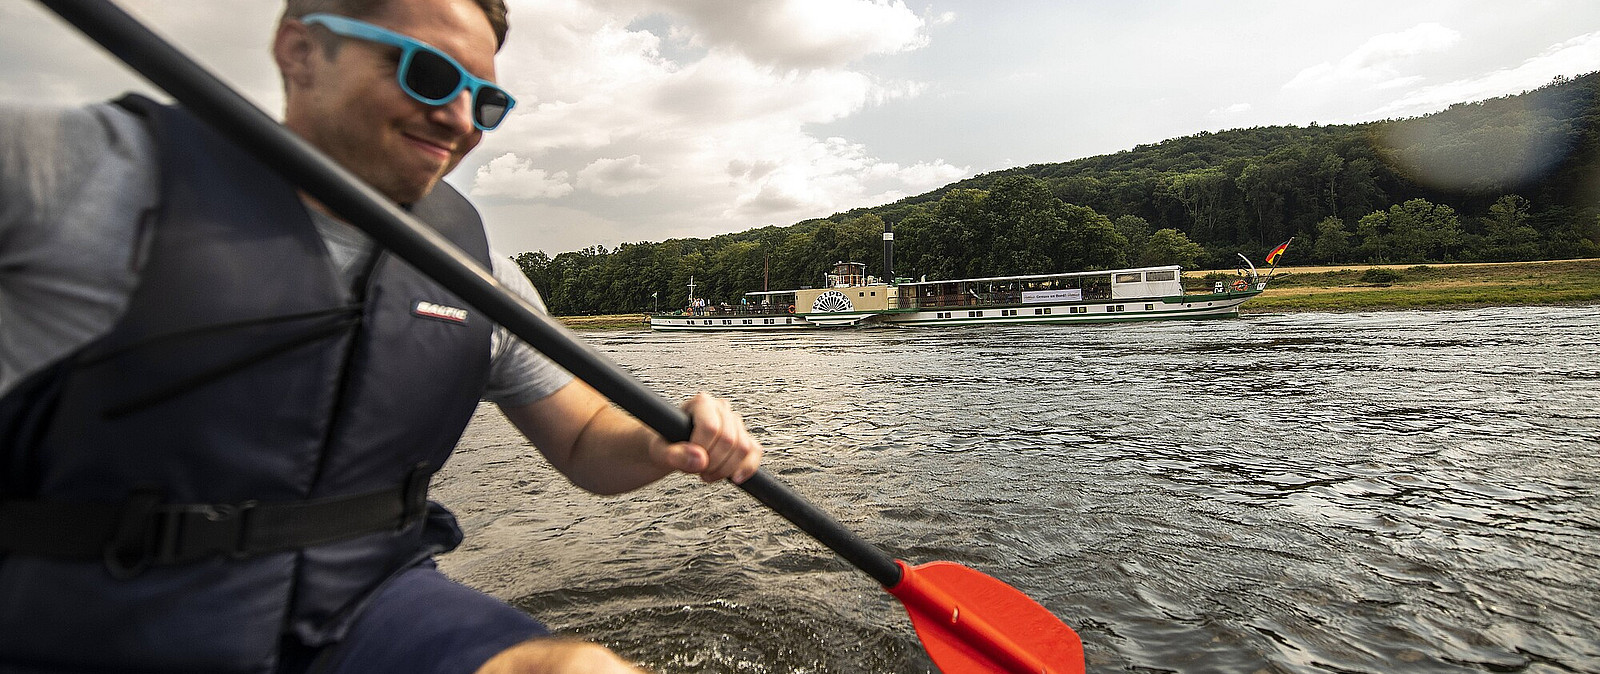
(74, 185)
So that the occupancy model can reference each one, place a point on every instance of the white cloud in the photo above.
(508, 176)
(707, 140)
(1235, 109)
(618, 177)
(1379, 61)
(921, 176)
(801, 33)
(1571, 57)
(831, 175)
(729, 105)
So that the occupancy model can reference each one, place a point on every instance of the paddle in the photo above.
(968, 621)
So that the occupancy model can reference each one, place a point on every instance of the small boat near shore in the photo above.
(851, 298)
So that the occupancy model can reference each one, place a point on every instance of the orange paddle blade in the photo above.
(971, 623)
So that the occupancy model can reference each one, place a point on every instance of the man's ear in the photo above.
(295, 48)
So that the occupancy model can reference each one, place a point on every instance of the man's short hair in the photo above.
(365, 9)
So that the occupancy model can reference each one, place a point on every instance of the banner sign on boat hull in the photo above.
(1037, 296)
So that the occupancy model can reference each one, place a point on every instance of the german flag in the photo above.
(1272, 257)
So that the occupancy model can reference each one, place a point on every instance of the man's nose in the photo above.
(455, 115)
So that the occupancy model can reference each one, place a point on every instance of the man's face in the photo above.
(352, 107)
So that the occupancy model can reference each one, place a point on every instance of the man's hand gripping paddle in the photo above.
(968, 621)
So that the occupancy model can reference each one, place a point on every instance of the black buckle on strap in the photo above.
(149, 533)
(205, 530)
(133, 541)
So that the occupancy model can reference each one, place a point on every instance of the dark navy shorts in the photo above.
(421, 621)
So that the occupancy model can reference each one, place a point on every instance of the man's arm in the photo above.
(74, 185)
(606, 451)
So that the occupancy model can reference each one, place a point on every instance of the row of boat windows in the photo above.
(1090, 285)
(1148, 277)
(1110, 308)
(745, 321)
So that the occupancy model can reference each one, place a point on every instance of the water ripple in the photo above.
(1372, 492)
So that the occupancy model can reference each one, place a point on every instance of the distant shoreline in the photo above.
(1341, 288)
(1436, 286)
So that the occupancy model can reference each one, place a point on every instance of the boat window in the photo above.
(1149, 307)
(1128, 278)
(1161, 276)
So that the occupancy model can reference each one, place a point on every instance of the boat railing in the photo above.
(724, 310)
(976, 299)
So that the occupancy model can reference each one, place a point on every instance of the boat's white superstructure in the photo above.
(851, 298)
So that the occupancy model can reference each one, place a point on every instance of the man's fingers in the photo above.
(719, 432)
(684, 457)
(724, 448)
(751, 462)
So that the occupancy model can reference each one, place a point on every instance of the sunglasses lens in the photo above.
(490, 106)
(432, 77)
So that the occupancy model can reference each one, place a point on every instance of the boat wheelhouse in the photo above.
(851, 297)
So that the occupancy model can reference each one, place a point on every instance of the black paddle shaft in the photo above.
(303, 165)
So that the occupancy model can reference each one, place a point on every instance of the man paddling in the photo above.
(220, 405)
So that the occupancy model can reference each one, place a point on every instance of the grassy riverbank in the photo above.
(607, 322)
(1358, 287)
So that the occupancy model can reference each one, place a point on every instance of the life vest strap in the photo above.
(143, 531)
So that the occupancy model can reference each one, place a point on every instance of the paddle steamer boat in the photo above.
(852, 298)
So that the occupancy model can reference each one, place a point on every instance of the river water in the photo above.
(1361, 492)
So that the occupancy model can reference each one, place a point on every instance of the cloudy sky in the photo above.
(641, 120)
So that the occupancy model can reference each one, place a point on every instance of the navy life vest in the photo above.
(246, 399)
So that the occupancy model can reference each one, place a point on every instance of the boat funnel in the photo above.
(888, 253)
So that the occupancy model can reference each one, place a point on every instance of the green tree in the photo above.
(1329, 172)
(1422, 231)
(1169, 246)
(1332, 242)
(732, 271)
(861, 240)
(964, 232)
(800, 262)
(1094, 241)
(1267, 185)
(535, 266)
(1373, 231)
(1135, 229)
(1506, 229)
(1201, 192)
(1029, 234)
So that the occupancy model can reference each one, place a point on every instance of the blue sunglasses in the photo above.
(425, 73)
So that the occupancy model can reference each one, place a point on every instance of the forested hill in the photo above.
(1512, 178)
